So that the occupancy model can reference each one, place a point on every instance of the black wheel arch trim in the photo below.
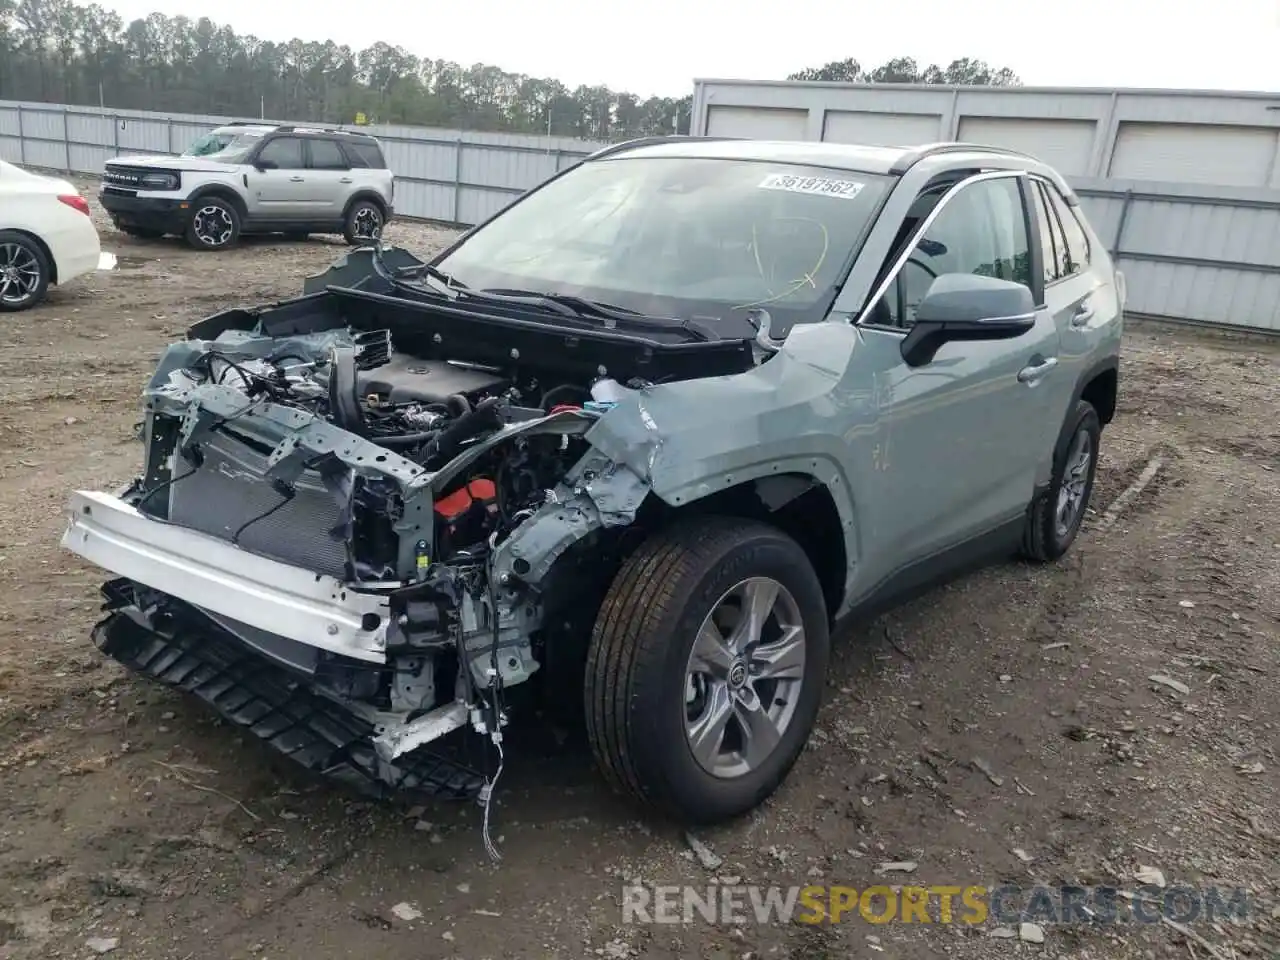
(1109, 364)
(222, 193)
(372, 196)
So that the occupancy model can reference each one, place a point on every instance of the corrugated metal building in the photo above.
(1184, 185)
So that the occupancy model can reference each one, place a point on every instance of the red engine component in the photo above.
(480, 491)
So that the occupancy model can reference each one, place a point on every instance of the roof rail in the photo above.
(649, 142)
(307, 128)
(916, 154)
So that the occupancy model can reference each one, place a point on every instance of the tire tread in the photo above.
(628, 641)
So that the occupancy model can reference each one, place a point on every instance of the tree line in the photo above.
(59, 51)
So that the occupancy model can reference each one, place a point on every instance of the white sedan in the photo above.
(46, 236)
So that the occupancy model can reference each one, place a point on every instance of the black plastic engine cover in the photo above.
(407, 379)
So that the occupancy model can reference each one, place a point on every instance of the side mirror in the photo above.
(966, 306)
(265, 164)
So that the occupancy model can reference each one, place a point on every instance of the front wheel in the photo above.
(215, 224)
(24, 272)
(706, 667)
(1055, 518)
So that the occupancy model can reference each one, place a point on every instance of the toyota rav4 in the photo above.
(637, 442)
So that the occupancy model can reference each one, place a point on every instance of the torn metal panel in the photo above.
(395, 741)
(596, 494)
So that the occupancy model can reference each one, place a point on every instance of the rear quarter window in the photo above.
(365, 155)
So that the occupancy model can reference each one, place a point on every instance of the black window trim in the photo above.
(1046, 185)
(1035, 187)
(342, 153)
(882, 288)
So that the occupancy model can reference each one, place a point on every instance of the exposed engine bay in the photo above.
(360, 468)
(423, 411)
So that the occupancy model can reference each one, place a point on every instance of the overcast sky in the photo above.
(660, 46)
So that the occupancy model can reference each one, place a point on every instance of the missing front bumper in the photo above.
(194, 654)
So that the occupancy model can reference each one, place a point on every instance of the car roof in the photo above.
(861, 158)
(262, 129)
(259, 129)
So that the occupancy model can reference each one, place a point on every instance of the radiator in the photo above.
(228, 489)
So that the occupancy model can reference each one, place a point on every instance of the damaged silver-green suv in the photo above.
(635, 443)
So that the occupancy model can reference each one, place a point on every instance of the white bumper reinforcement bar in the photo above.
(206, 572)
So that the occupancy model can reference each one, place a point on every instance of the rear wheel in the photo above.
(706, 667)
(215, 224)
(1055, 518)
(364, 223)
(24, 272)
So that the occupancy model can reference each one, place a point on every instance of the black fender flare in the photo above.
(372, 196)
(1087, 376)
(222, 192)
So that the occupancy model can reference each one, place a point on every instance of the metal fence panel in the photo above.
(1204, 294)
(10, 125)
(146, 136)
(454, 176)
(45, 153)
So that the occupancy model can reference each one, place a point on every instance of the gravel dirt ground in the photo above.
(1001, 729)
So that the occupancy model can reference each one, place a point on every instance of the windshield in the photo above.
(695, 238)
(225, 146)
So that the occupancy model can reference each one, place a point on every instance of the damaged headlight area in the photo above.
(349, 531)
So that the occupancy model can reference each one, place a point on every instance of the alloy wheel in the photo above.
(1075, 480)
(213, 225)
(19, 274)
(368, 224)
(743, 678)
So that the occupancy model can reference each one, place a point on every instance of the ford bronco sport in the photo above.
(637, 441)
(254, 178)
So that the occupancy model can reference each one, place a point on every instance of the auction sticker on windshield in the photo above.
(822, 186)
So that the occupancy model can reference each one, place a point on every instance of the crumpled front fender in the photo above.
(596, 494)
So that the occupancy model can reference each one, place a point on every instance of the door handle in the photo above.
(344, 180)
(1083, 314)
(1034, 372)
(295, 179)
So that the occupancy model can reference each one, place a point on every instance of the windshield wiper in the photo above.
(413, 271)
(438, 274)
(569, 305)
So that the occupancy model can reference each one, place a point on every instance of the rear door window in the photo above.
(364, 155)
(327, 155)
(1052, 243)
(1077, 241)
